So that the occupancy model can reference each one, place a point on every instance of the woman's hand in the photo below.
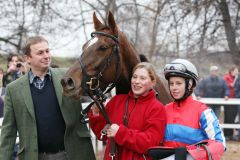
(112, 131)
(95, 110)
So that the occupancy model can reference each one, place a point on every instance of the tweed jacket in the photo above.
(19, 117)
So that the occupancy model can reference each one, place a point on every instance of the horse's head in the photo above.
(99, 64)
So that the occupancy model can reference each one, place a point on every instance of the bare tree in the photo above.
(229, 29)
(155, 26)
(166, 28)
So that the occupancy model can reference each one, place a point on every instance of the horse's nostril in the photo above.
(68, 83)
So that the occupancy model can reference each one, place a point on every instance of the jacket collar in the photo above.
(149, 95)
(182, 102)
(31, 76)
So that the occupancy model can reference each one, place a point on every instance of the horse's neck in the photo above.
(123, 84)
(129, 54)
(129, 58)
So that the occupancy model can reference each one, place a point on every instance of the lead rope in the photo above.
(112, 149)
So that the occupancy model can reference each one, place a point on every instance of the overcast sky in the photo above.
(69, 46)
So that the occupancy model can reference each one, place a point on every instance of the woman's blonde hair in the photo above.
(150, 69)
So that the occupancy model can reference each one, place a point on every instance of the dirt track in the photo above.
(233, 151)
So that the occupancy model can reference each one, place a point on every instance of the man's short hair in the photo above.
(32, 40)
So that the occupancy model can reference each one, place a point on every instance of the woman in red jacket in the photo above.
(138, 118)
(230, 111)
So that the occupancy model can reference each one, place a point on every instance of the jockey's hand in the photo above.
(112, 131)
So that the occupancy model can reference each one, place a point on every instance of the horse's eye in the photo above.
(103, 48)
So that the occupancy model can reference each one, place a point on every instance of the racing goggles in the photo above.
(175, 67)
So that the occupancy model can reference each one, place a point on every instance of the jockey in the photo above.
(192, 130)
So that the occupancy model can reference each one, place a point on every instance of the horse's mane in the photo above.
(143, 58)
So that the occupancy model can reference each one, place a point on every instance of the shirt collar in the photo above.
(31, 76)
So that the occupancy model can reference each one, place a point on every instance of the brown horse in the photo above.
(107, 58)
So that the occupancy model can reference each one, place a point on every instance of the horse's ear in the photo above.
(112, 23)
(97, 23)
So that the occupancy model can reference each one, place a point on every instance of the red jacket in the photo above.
(230, 80)
(146, 124)
(191, 122)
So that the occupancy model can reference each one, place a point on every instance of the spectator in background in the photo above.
(213, 86)
(11, 73)
(22, 66)
(16, 67)
(237, 95)
(230, 111)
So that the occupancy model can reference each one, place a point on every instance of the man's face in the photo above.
(40, 57)
(214, 73)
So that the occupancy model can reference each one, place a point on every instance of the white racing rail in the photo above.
(225, 103)
(219, 101)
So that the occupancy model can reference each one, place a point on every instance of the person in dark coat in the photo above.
(213, 86)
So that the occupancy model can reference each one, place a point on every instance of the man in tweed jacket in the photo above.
(47, 122)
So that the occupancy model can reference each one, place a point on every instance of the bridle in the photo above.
(90, 84)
